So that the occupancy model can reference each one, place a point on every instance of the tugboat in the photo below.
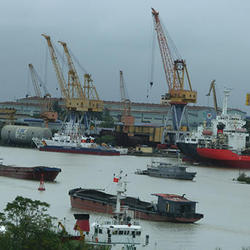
(169, 208)
(167, 170)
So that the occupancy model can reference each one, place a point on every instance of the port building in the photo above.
(29, 109)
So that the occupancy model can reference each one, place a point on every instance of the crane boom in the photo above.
(35, 81)
(76, 99)
(176, 74)
(127, 118)
(59, 74)
(122, 87)
(212, 87)
(167, 60)
(73, 74)
(47, 112)
(174, 69)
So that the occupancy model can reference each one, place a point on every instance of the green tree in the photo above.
(28, 226)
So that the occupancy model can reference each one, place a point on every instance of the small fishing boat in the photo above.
(167, 170)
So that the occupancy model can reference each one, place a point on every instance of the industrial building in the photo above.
(144, 113)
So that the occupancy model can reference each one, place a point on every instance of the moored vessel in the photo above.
(230, 125)
(30, 173)
(228, 147)
(78, 145)
(225, 157)
(169, 208)
(70, 139)
(167, 170)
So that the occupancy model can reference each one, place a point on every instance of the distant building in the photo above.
(144, 113)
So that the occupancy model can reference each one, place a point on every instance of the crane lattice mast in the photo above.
(74, 81)
(127, 119)
(76, 98)
(35, 81)
(212, 87)
(175, 71)
(59, 74)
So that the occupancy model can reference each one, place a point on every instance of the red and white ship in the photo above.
(228, 147)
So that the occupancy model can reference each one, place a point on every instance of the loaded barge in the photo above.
(169, 208)
(30, 173)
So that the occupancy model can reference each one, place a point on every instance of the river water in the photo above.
(225, 203)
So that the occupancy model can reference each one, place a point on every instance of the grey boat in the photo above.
(167, 170)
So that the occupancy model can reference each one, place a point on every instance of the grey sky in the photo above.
(107, 36)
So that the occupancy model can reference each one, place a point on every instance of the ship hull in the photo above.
(33, 173)
(75, 150)
(225, 158)
(187, 176)
(190, 151)
(89, 204)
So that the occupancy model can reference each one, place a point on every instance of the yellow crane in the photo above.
(59, 74)
(73, 78)
(212, 87)
(76, 98)
(88, 93)
(176, 74)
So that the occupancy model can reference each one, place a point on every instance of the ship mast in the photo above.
(226, 95)
(120, 191)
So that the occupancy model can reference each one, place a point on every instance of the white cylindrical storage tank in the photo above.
(13, 134)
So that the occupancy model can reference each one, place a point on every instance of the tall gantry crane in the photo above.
(78, 100)
(47, 112)
(176, 74)
(212, 87)
(127, 119)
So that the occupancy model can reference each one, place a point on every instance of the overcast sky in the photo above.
(110, 35)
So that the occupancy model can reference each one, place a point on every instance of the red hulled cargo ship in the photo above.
(224, 146)
(225, 157)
